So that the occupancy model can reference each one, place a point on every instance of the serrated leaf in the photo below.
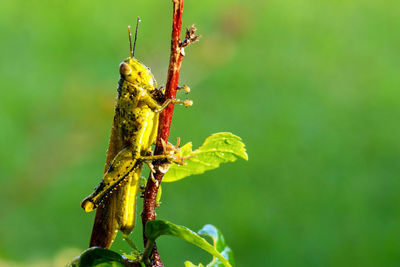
(217, 149)
(156, 228)
(97, 257)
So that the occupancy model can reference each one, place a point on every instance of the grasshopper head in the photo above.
(135, 72)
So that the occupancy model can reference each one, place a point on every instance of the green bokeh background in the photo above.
(312, 87)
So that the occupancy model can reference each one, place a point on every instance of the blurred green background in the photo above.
(312, 87)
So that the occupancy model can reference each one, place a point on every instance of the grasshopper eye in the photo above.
(124, 69)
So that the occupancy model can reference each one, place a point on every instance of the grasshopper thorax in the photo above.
(135, 72)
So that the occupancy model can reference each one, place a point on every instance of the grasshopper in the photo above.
(133, 133)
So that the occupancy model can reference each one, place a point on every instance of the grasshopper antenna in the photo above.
(130, 41)
(134, 43)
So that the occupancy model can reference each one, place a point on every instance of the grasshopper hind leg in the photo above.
(118, 172)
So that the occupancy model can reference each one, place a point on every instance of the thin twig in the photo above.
(175, 61)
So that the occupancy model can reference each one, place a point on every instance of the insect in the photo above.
(133, 133)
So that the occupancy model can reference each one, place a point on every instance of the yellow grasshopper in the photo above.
(133, 133)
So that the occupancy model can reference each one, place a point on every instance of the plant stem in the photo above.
(165, 119)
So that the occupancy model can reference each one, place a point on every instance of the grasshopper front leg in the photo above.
(186, 102)
(150, 99)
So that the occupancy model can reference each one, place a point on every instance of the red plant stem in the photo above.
(165, 119)
(175, 62)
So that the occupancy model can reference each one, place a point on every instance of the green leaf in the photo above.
(156, 228)
(135, 254)
(99, 257)
(219, 244)
(190, 264)
(216, 149)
